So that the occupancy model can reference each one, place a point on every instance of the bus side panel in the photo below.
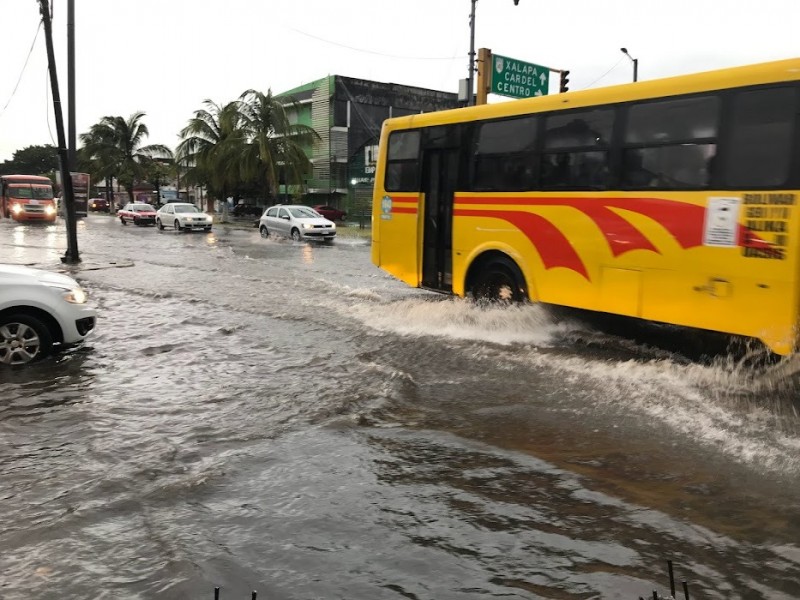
(647, 256)
(397, 234)
(749, 290)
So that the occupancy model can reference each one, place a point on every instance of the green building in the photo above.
(347, 114)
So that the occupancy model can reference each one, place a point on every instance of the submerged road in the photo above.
(284, 417)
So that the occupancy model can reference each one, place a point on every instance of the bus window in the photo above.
(762, 130)
(576, 149)
(670, 144)
(42, 192)
(402, 166)
(21, 191)
(504, 155)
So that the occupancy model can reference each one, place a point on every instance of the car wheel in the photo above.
(296, 235)
(23, 339)
(208, 229)
(177, 225)
(136, 221)
(122, 219)
(264, 232)
(159, 224)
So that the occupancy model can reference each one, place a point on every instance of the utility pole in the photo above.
(471, 76)
(484, 75)
(71, 256)
(71, 85)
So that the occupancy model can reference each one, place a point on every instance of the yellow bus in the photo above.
(670, 200)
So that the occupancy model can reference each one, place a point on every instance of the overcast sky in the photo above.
(164, 57)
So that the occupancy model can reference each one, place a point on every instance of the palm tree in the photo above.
(275, 145)
(210, 149)
(114, 145)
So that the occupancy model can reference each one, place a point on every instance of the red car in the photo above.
(137, 212)
(331, 213)
(98, 204)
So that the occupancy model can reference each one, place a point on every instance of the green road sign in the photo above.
(517, 79)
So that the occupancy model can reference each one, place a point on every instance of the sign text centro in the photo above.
(517, 79)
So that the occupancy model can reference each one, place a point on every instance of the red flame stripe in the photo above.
(554, 248)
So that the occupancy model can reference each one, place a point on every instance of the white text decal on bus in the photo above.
(722, 222)
(386, 208)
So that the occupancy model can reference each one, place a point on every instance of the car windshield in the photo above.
(141, 207)
(303, 212)
(186, 208)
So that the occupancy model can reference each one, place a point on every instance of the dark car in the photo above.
(330, 213)
(247, 210)
(98, 205)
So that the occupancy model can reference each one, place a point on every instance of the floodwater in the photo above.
(284, 417)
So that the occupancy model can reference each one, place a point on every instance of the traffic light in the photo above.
(564, 81)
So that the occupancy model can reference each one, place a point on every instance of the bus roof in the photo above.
(26, 179)
(762, 73)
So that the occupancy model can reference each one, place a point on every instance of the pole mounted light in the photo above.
(471, 74)
(635, 64)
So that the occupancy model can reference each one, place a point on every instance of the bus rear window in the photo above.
(762, 130)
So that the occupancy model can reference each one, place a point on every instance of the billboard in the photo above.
(80, 190)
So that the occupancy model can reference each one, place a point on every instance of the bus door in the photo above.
(439, 177)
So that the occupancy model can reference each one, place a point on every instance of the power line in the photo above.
(373, 51)
(27, 58)
(604, 74)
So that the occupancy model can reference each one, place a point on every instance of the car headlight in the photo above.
(16, 209)
(307, 226)
(75, 295)
(49, 210)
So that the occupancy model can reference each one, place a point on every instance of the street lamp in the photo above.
(471, 74)
(635, 64)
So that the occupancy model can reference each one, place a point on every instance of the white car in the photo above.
(297, 221)
(182, 216)
(39, 310)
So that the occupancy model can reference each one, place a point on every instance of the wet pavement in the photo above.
(284, 417)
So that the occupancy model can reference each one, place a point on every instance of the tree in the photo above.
(115, 146)
(33, 160)
(211, 144)
(275, 149)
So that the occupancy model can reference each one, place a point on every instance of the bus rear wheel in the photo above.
(499, 280)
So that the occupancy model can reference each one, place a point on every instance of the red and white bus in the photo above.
(27, 198)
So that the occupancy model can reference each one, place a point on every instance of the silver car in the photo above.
(296, 221)
(182, 216)
(39, 310)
